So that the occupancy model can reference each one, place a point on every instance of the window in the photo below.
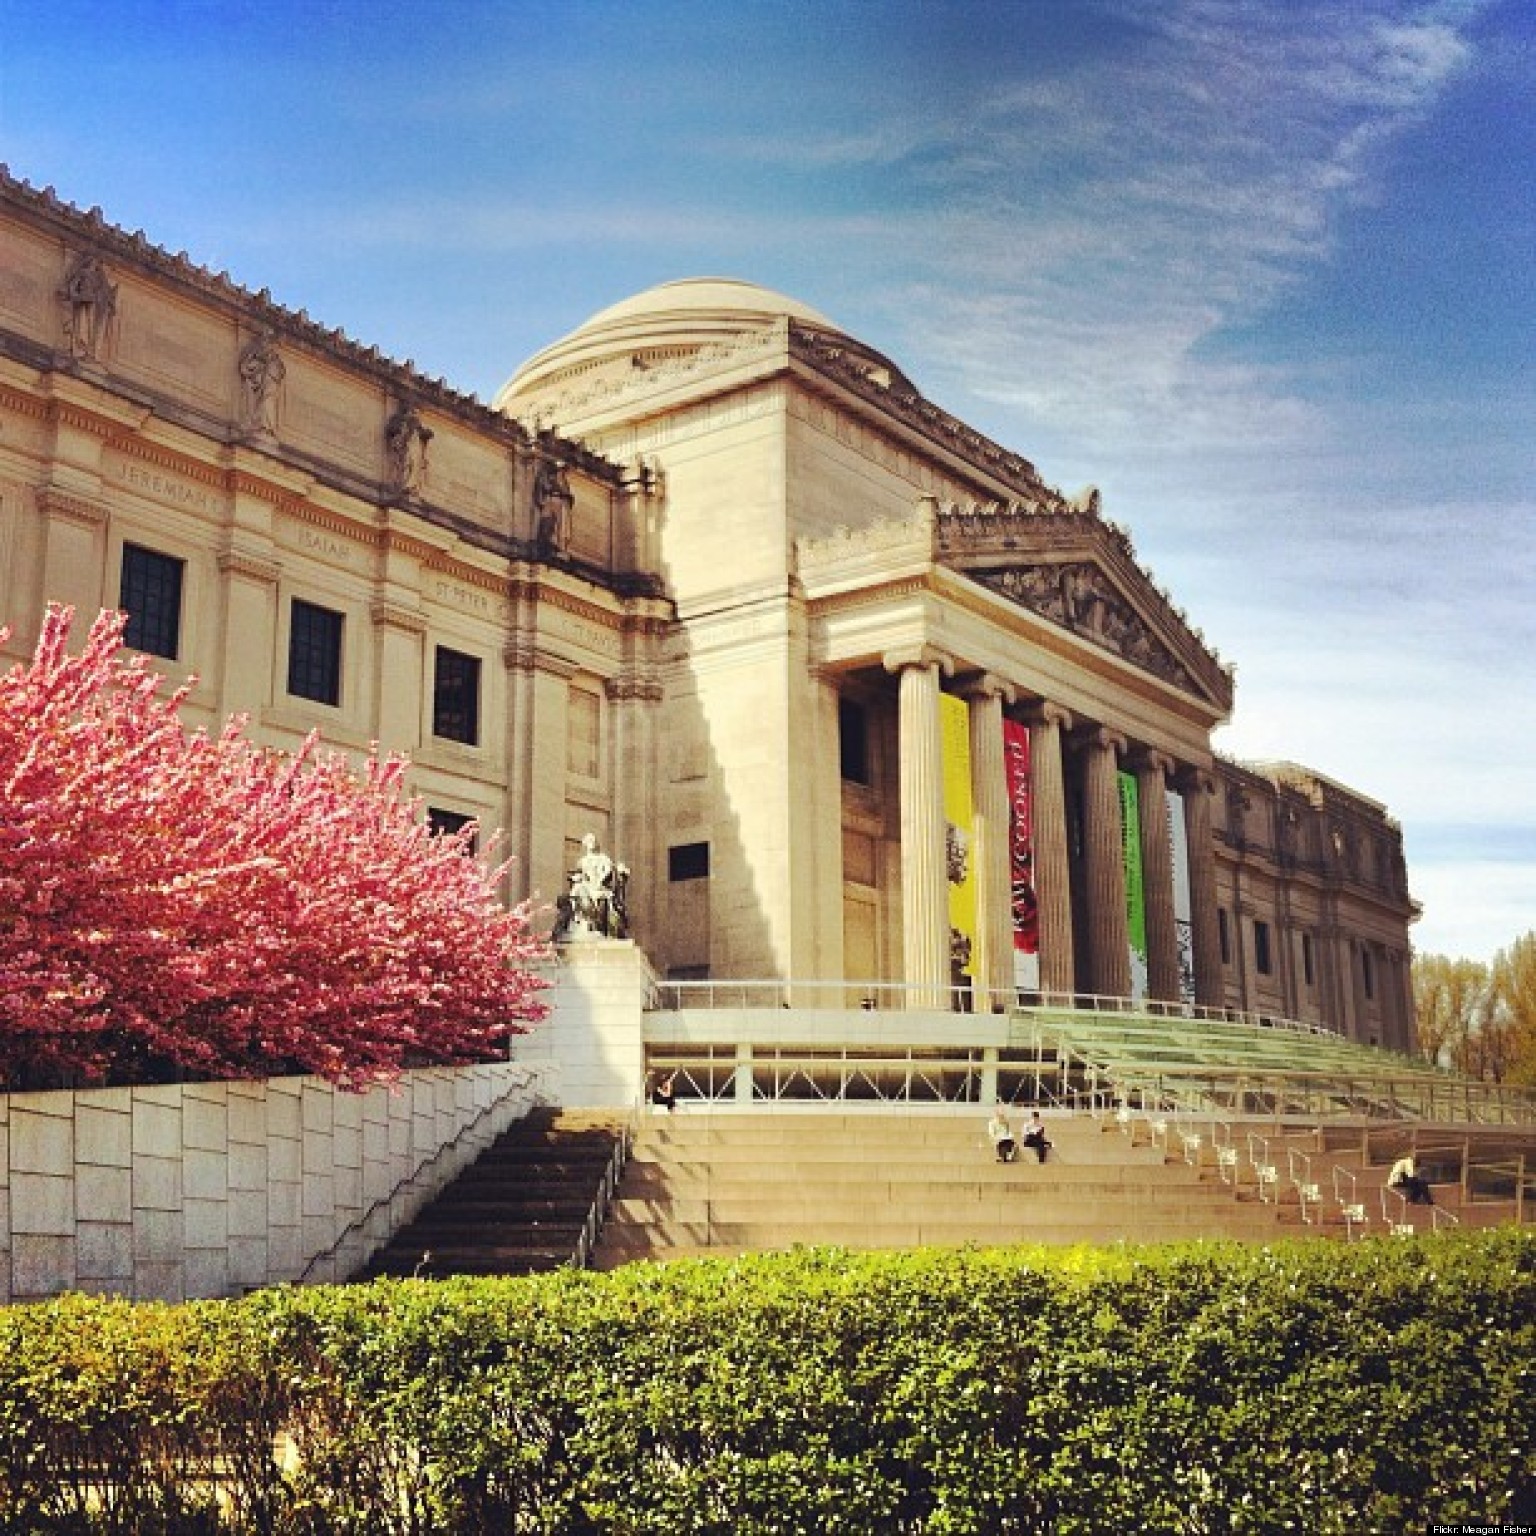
(688, 861)
(456, 697)
(583, 733)
(151, 595)
(443, 823)
(1306, 959)
(1226, 940)
(853, 740)
(314, 653)
(1261, 947)
(1367, 973)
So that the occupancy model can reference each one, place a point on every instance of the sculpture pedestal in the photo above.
(591, 1046)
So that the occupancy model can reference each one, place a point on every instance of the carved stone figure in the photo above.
(957, 854)
(262, 372)
(595, 906)
(90, 302)
(553, 502)
(407, 437)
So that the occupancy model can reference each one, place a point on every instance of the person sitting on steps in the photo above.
(1002, 1136)
(1406, 1180)
(1034, 1136)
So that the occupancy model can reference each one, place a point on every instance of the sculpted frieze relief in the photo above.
(647, 371)
(1079, 597)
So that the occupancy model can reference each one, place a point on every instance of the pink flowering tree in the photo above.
(171, 901)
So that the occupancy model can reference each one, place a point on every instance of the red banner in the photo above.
(1021, 857)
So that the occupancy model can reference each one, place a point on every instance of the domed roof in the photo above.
(706, 295)
(670, 320)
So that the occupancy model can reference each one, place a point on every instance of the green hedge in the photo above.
(1315, 1387)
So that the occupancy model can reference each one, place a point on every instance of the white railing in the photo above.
(880, 996)
(1309, 1193)
(1346, 1195)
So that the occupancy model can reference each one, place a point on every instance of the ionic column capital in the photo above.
(1044, 712)
(918, 657)
(1193, 780)
(1151, 761)
(1102, 739)
(986, 685)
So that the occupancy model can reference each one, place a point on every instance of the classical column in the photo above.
(1109, 939)
(1152, 772)
(924, 886)
(1197, 786)
(993, 959)
(1053, 867)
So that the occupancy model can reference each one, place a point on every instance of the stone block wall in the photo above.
(209, 1189)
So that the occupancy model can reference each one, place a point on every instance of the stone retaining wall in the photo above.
(209, 1189)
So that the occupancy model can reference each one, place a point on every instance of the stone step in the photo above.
(912, 1205)
(856, 1178)
(620, 1243)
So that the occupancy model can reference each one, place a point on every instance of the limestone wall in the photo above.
(208, 1189)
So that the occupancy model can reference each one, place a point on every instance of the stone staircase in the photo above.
(722, 1183)
(518, 1209)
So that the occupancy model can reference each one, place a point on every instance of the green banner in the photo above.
(1135, 887)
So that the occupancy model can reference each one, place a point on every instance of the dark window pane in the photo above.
(314, 653)
(688, 861)
(151, 595)
(456, 696)
(446, 823)
(853, 739)
(1261, 947)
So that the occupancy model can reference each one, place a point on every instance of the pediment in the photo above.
(1062, 561)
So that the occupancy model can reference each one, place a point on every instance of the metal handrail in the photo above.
(597, 1213)
(523, 1079)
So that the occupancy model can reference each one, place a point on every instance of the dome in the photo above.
(705, 296)
(670, 320)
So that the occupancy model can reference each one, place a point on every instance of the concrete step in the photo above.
(620, 1244)
(923, 1208)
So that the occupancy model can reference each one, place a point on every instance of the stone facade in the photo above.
(708, 582)
(844, 555)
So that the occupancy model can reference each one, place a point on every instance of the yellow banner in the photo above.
(959, 832)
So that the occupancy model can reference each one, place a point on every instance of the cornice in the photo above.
(215, 477)
(387, 615)
(629, 686)
(24, 403)
(318, 516)
(524, 653)
(258, 311)
(239, 562)
(835, 359)
(66, 506)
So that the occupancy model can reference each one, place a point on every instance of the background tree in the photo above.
(1450, 1000)
(171, 901)
(1514, 990)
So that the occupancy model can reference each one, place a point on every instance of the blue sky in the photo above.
(1261, 271)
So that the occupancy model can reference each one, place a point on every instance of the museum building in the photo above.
(855, 695)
